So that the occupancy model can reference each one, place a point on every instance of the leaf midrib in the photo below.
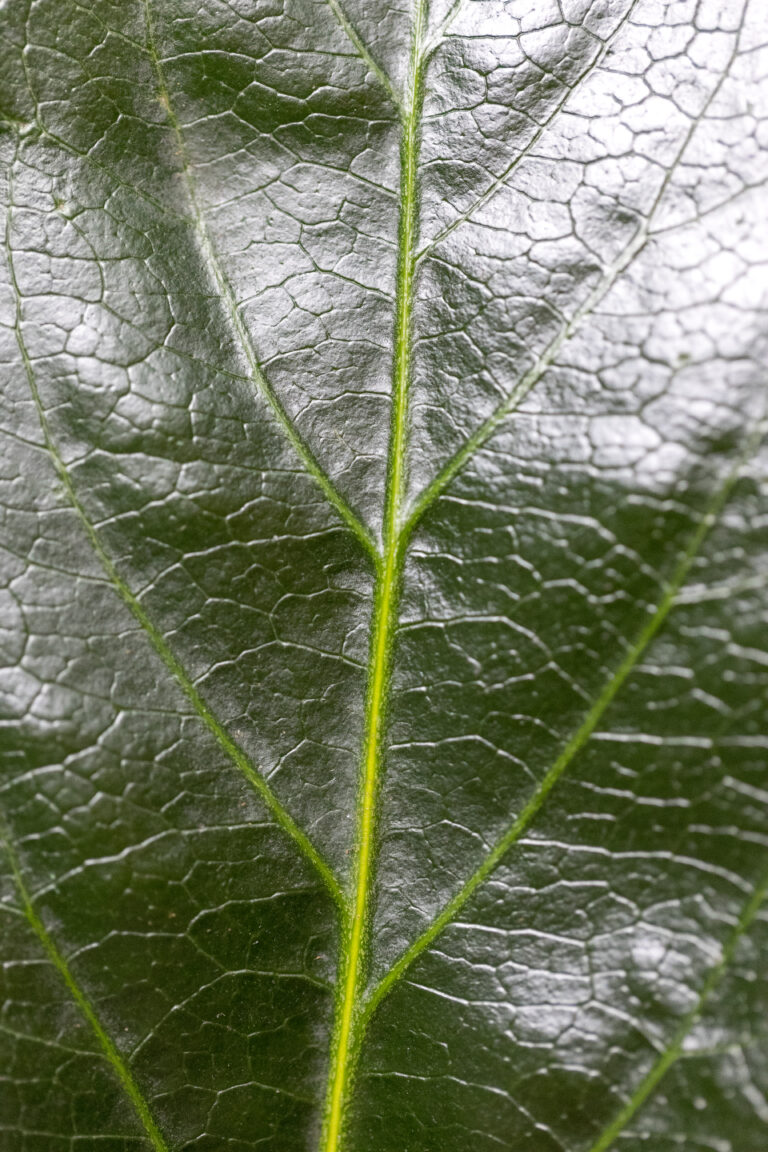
(396, 536)
(350, 988)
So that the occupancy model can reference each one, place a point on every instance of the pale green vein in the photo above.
(155, 637)
(227, 295)
(364, 53)
(574, 745)
(569, 327)
(450, 17)
(347, 1034)
(674, 1051)
(500, 180)
(108, 1047)
(527, 382)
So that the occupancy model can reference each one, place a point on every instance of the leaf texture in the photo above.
(383, 647)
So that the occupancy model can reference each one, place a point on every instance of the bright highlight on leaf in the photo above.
(384, 646)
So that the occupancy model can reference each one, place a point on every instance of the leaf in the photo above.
(384, 658)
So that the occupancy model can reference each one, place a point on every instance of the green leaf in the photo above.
(383, 646)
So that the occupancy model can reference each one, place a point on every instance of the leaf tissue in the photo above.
(383, 609)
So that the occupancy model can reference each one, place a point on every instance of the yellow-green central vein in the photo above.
(352, 976)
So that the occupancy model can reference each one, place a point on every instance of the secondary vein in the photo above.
(108, 1047)
(568, 329)
(500, 180)
(281, 816)
(365, 55)
(227, 295)
(347, 1034)
(674, 1049)
(576, 742)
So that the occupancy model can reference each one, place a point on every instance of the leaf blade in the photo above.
(531, 440)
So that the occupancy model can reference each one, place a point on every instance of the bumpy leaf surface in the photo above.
(383, 642)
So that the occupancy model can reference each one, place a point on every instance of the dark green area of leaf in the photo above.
(383, 662)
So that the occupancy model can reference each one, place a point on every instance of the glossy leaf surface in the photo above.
(383, 645)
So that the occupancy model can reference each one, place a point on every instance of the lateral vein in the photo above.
(364, 53)
(500, 180)
(570, 326)
(281, 816)
(347, 1033)
(111, 1052)
(674, 1050)
(227, 295)
(577, 741)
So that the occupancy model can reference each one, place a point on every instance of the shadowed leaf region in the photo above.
(383, 663)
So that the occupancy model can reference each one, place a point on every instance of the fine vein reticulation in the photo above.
(674, 1049)
(570, 326)
(577, 741)
(111, 1053)
(228, 298)
(354, 1008)
(154, 635)
(517, 160)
